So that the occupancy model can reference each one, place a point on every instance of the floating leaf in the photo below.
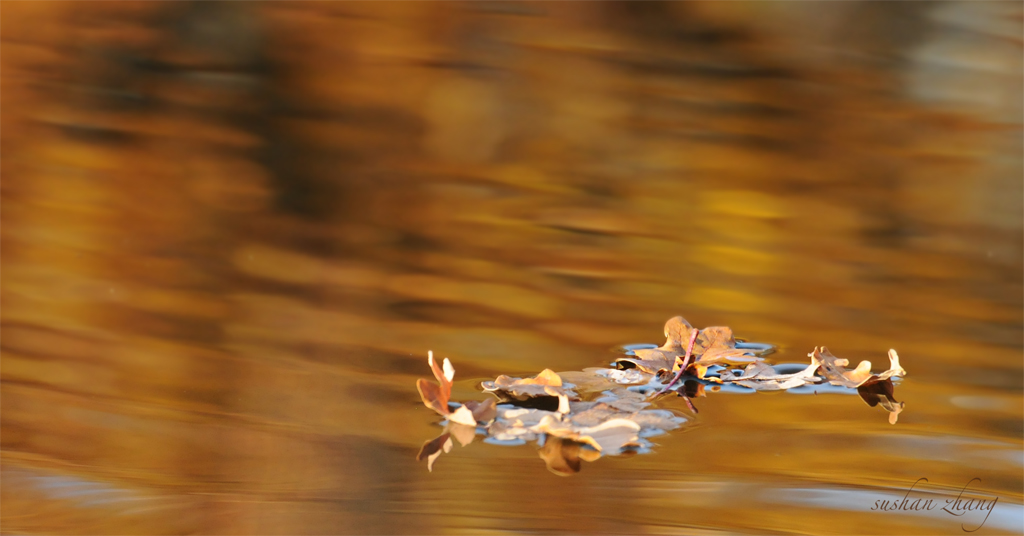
(463, 415)
(625, 400)
(436, 395)
(716, 345)
(609, 436)
(545, 384)
(631, 376)
(595, 414)
(432, 396)
(484, 411)
(443, 375)
(677, 333)
(714, 337)
(614, 417)
(522, 416)
(651, 361)
(834, 369)
(762, 377)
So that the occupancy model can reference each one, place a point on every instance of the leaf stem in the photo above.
(686, 363)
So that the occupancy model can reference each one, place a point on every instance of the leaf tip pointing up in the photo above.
(449, 370)
(894, 362)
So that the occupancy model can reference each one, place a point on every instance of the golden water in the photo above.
(231, 232)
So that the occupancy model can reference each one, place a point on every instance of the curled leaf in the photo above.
(652, 361)
(834, 369)
(432, 396)
(609, 436)
(762, 377)
(444, 375)
(484, 411)
(547, 383)
(436, 395)
(626, 377)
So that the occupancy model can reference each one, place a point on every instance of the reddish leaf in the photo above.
(432, 396)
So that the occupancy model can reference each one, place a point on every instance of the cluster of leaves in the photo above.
(567, 428)
(707, 347)
(551, 408)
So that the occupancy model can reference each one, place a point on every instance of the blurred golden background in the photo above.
(231, 232)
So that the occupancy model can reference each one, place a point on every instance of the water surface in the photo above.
(232, 232)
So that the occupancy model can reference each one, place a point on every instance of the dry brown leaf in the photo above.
(436, 396)
(721, 355)
(677, 332)
(717, 346)
(432, 396)
(462, 416)
(524, 417)
(761, 376)
(546, 377)
(625, 400)
(652, 361)
(484, 411)
(547, 383)
(607, 437)
(590, 380)
(712, 337)
(596, 414)
(632, 376)
(834, 369)
(444, 374)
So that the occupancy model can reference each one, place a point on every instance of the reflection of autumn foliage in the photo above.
(228, 227)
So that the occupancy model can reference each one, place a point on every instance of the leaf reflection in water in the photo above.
(881, 394)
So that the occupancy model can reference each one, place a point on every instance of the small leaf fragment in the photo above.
(484, 411)
(462, 416)
(547, 383)
(653, 360)
(444, 377)
(625, 377)
(449, 371)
